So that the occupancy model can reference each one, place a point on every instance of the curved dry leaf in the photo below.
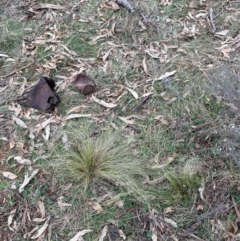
(41, 230)
(126, 120)
(10, 218)
(19, 122)
(166, 75)
(9, 175)
(41, 208)
(104, 233)
(170, 221)
(153, 53)
(47, 135)
(77, 108)
(80, 234)
(134, 93)
(49, 5)
(72, 116)
(103, 103)
(105, 57)
(96, 206)
(45, 123)
(27, 180)
(222, 33)
(39, 220)
(145, 66)
(22, 160)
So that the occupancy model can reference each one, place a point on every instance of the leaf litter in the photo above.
(52, 40)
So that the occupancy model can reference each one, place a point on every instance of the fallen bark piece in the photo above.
(84, 84)
(42, 96)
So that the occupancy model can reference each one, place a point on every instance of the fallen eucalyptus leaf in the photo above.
(41, 230)
(96, 206)
(72, 116)
(134, 93)
(104, 233)
(103, 103)
(27, 179)
(9, 175)
(78, 236)
(19, 122)
(22, 160)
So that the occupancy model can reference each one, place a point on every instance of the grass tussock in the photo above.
(106, 159)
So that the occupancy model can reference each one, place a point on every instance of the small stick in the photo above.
(211, 20)
(235, 207)
(218, 14)
(15, 71)
(144, 99)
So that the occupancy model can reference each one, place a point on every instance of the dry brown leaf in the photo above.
(78, 236)
(10, 218)
(39, 220)
(201, 190)
(19, 122)
(103, 103)
(162, 119)
(1, 157)
(77, 108)
(222, 33)
(105, 57)
(122, 235)
(200, 207)
(96, 206)
(27, 179)
(104, 233)
(22, 160)
(168, 161)
(164, 76)
(154, 234)
(120, 204)
(134, 93)
(154, 181)
(169, 210)
(41, 230)
(73, 116)
(171, 101)
(153, 53)
(170, 221)
(47, 134)
(61, 204)
(47, 122)
(49, 6)
(126, 120)
(42, 209)
(145, 66)
(9, 175)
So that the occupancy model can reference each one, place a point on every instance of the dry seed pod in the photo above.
(84, 84)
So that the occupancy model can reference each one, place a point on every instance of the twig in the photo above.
(235, 207)
(15, 71)
(7, 3)
(218, 14)
(211, 20)
(143, 100)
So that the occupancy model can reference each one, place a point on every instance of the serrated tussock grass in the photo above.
(106, 159)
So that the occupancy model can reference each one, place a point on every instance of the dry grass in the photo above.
(104, 159)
